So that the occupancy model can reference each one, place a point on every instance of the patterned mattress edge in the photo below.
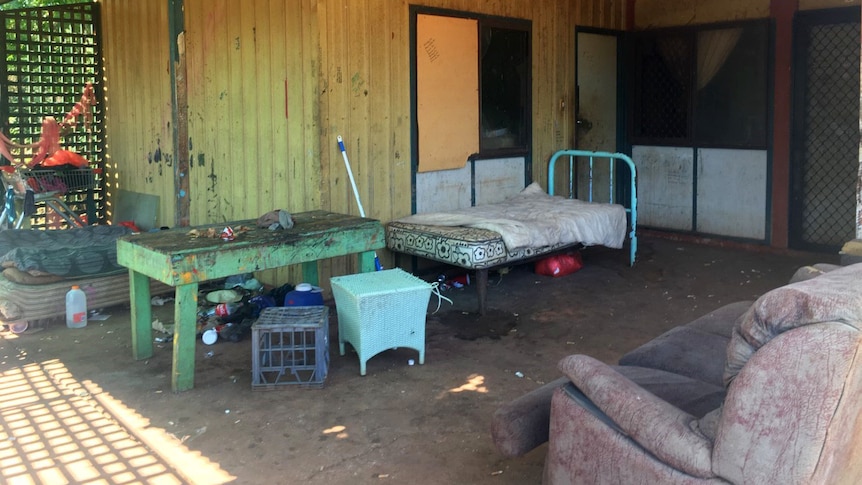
(467, 247)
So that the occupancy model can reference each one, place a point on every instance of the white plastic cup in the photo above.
(76, 308)
(210, 336)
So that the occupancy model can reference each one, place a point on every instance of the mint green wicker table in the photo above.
(380, 311)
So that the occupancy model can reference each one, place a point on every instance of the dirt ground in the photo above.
(75, 407)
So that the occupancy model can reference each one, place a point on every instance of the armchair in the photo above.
(787, 408)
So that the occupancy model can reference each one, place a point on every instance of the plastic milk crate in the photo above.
(379, 311)
(290, 346)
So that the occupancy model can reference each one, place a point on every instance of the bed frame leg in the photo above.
(482, 288)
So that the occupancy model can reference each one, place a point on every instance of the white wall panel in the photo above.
(443, 190)
(731, 192)
(665, 186)
(497, 180)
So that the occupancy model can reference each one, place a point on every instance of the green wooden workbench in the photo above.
(180, 260)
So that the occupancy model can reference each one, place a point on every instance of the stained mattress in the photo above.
(34, 303)
(85, 251)
(467, 247)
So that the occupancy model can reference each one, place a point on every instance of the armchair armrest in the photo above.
(521, 425)
(661, 429)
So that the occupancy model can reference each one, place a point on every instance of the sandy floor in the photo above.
(75, 407)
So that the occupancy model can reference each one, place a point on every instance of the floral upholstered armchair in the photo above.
(786, 407)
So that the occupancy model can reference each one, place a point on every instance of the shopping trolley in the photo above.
(42, 187)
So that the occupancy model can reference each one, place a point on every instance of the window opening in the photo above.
(704, 86)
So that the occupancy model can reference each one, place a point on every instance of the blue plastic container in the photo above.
(303, 295)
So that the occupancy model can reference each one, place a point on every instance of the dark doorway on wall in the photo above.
(825, 149)
(50, 54)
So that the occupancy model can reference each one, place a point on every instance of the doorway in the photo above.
(825, 124)
(598, 124)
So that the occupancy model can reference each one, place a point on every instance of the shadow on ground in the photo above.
(69, 392)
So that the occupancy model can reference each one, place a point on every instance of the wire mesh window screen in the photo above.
(704, 85)
(51, 53)
(664, 87)
(831, 138)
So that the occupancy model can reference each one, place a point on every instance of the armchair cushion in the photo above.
(782, 419)
(693, 396)
(697, 350)
(521, 425)
(663, 430)
(833, 296)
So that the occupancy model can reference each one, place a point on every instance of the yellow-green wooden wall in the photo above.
(139, 150)
(668, 13)
(272, 83)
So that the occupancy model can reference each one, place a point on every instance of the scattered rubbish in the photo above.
(224, 296)
(96, 315)
(227, 234)
(410, 362)
(498, 472)
(210, 336)
(160, 301)
(209, 354)
(275, 219)
(519, 374)
(164, 340)
(459, 281)
(559, 265)
(227, 411)
(19, 327)
(238, 280)
(161, 327)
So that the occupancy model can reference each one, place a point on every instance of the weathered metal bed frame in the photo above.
(631, 210)
(489, 244)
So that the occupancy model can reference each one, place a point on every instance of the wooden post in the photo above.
(782, 12)
(179, 110)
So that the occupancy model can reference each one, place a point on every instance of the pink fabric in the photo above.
(584, 450)
(777, 419)
(662, 429)
(833, 296)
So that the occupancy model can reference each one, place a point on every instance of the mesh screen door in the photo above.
(51, 53)
(825, 130)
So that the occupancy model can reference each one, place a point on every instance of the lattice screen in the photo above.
(51, 53)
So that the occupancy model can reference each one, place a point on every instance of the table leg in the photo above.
(142, 325)
(366, 262)
(185, 337)
(309, 273)
(482, 288)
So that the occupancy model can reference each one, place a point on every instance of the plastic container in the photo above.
(76, 308)
(210, 336)
(303, 295)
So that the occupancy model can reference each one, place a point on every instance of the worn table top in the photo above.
(175, 257)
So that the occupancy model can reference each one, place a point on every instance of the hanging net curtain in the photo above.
(713, 48)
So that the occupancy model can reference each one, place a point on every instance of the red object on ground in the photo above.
(560, 264)
(131, 225)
